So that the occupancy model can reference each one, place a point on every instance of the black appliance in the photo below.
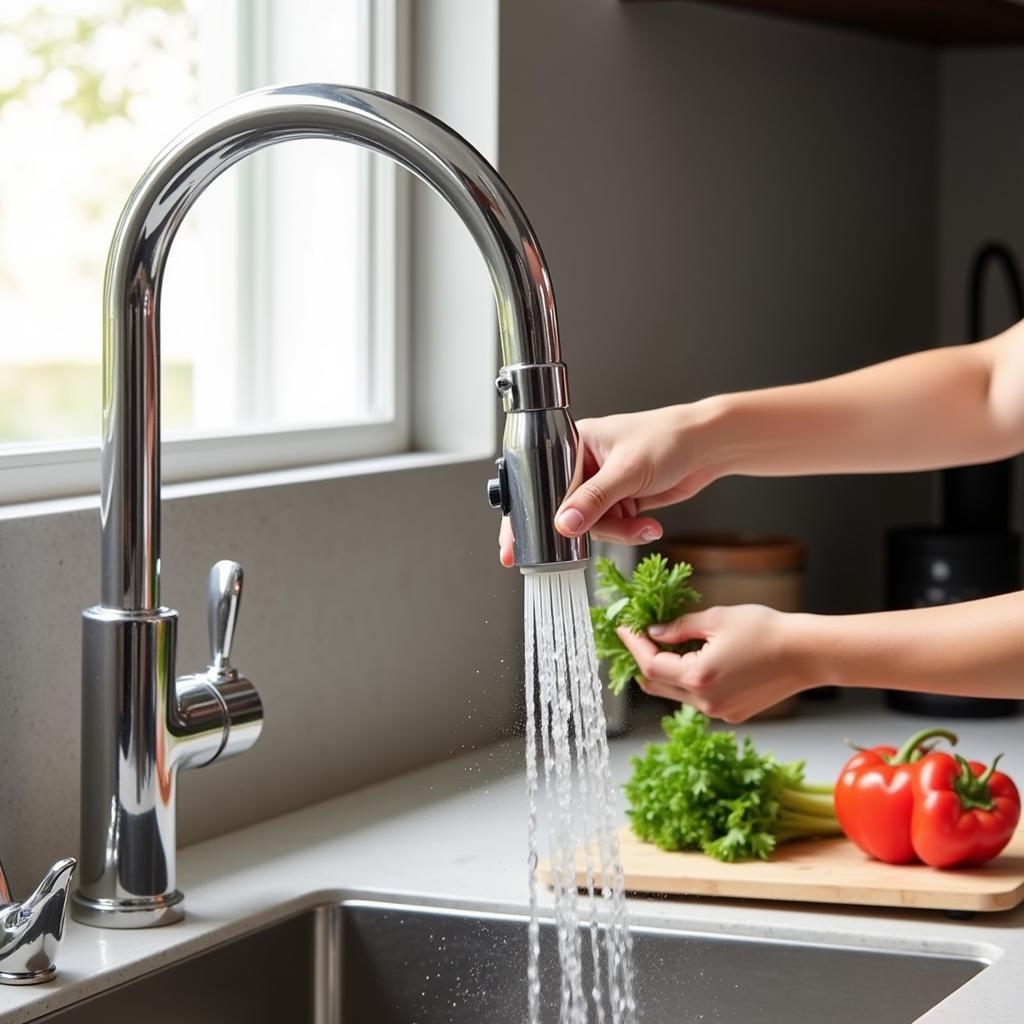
(973, 553)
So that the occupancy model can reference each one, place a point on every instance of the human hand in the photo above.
(633, 463)
(751, 659)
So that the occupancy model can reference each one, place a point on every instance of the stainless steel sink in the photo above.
(367, 962)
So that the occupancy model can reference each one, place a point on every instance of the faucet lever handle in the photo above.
(223, 596)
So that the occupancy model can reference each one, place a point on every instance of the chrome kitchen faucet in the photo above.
(141, 725)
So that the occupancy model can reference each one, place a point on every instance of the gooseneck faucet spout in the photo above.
(533, 376)
(140, 725)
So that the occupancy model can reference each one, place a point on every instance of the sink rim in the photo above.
(660, 917)
(978, 952)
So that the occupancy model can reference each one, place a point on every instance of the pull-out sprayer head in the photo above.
(536, 470)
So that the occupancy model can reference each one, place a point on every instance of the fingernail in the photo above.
(649, 533)
(571, 520)
(657, 631)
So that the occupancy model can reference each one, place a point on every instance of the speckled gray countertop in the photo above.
(455, 832)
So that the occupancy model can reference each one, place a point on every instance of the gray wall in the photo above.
(981, 168)
(981, 171)
(729, 201)
(375, 621)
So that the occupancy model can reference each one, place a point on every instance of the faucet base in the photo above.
(149, 912)
(28, 977)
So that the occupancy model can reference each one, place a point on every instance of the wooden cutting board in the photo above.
(819, 871)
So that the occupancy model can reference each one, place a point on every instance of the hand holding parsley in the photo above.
(655, 594)
(748, 658)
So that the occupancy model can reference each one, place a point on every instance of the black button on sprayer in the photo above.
(497, 489)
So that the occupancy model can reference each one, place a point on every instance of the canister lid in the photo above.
(735, 552)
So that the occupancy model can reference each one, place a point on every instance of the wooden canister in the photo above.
(745, 568)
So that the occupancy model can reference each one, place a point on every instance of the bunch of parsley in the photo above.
(656, 593)
(703, 790)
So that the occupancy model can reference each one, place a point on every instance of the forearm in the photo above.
(944, 407)
(971, 649)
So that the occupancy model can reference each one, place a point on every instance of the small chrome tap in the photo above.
(31, 932)
(140, 726)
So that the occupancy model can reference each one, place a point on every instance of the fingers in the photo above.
(506, 554)
(679, 677)
(627, 529)
(661, 690)
(695, 626)
(689, 486)
(594, 498)
(657, 666)
(680, 696)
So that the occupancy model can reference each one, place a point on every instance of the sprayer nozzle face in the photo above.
(531, 570)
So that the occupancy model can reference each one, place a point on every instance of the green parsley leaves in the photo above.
(656, 593)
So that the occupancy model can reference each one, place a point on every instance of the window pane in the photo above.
(87, 91)
(314, 335)
(90, 91)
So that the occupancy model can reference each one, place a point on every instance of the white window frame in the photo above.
(37, 472)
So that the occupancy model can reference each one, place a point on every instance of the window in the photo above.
(259, 370)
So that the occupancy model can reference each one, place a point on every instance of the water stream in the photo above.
(563, 707)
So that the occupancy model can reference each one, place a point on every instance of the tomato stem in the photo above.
(973, 789)
(909, 752)
(987, 774)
